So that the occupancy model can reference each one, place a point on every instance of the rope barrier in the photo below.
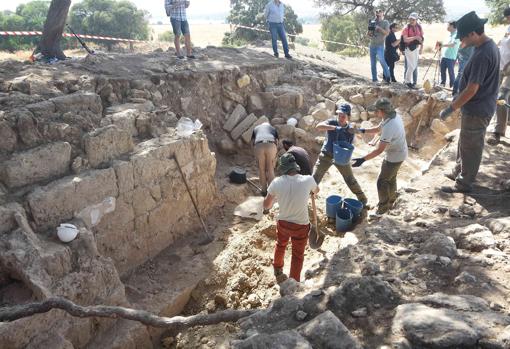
(83, 36)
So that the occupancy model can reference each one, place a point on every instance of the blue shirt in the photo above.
(340, 134)
(274, 13)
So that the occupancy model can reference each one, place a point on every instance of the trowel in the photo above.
(316, 237)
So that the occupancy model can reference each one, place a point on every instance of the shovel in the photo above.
(427, 86)
(316, 237)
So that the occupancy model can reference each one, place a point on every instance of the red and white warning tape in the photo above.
(82, 36)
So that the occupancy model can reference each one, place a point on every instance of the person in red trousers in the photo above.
(292, 191)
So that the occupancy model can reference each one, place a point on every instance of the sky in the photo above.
(304, 8)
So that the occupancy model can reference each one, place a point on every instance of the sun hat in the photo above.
(344, 108)
(383, 104)
(469, 23)
(287, 163)
(413, 15)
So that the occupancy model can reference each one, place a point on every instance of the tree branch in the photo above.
(145, 317)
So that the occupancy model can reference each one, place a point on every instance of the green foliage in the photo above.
(120, 19)
(497, 7)
(395, 10)
(28, 17)
(167, 36)
(250, 13)
(348, 29)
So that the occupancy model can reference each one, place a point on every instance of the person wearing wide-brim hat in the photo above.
(292, 191)
(477, 96)
(393, 142)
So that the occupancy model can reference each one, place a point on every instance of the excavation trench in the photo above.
(88, 145)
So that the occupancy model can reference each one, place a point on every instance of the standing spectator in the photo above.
(413, 41)
(301, 156)
(477, 101)
(274, 13)
(393, 142)
(265, 139)
(390, 52)
(292, 191)
(337, 129)
(500, 120)
(463, 57)
(176, 10)
(449, 54)
(378, 29)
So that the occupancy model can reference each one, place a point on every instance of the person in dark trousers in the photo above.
(292, 191)
(337, 129)
(449, 52)
(476, 100)
(390, 51)
(275, 14)
(301, 156)
(265, 139)
(393, 142)
(176, 10)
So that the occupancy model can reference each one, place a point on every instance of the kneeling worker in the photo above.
(301, 156)
(393, 141)
(292, 191)
(337, 129)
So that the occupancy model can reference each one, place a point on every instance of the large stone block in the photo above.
(321, 114)
(125, 120)
(106, 144)
(243, 126)
(255, 103)
(60, 200)
(42, 163)
(7, 221)
(419, 109)
(78, 102)
(235, 118)
(8, 138)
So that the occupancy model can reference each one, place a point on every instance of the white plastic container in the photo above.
(292, 122)
(67, 232)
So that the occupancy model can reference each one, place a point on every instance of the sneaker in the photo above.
(381, 211)
(494, 139)
(387, 81)
(280, 276)
(180, 57)
(410, 85)
(191, 57)
(276, 55)
(454, 189)
(288, 57)
(394, 80)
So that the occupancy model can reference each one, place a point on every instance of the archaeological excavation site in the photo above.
(120, 227)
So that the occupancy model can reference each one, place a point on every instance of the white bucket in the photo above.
(292, 122)
(67, 232)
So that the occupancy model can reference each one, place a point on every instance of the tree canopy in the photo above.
(109, 18)
(250, 13)
(497, 7)
(395, 10)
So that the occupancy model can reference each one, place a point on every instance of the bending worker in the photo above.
(292, 191)
(265, 138)
(393, 142)
(337, 129)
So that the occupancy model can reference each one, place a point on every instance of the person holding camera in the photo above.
(412, 36)
(449, 54)
(378, 29)
(176, 10)
(390, 51)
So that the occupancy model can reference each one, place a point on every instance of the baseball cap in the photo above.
(344, 108)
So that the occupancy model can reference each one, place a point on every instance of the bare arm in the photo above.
(323, 126)
(395, 43)
(464, 97)
(376, 152)
(372, 130)
(268, 201)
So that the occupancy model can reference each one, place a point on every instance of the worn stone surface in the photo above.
(125, 120)
(7, 220)
(243, 126)
(327, 331)
(8, 137)
(106, 144)
(38, 164)
(237, 115)
(58, 201)
(281, 340)
(474, 237)
(440, 245)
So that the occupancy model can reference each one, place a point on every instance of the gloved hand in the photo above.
(266, 211)
(358, 162)
(445, 112)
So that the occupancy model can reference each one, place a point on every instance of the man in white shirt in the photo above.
(393, 142)
(292, 191)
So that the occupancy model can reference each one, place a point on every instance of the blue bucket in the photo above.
(333, 203)
(343, 219)
(342, 152)
(355, 206)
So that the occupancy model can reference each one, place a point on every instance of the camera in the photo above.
(371, 25)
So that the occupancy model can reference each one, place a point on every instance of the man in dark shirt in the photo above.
(301, 156)
(337, 130)
(477, 100)
(264, 138)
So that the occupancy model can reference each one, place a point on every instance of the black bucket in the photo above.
(237, 175)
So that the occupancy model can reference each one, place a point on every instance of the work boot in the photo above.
(450, 189)
(276, 55)
(280, 276)
(494, 139)
(451, 175)
(288, 57)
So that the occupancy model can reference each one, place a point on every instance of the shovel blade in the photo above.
(315, 238)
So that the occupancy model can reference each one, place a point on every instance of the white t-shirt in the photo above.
(292, 193)
(393, 133)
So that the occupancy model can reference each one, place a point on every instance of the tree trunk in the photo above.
(53, 29)
(176, 323)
